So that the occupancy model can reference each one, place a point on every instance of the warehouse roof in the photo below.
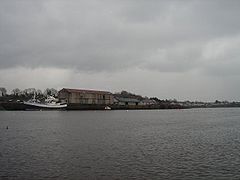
(85, 91)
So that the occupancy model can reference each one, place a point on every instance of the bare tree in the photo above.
(3, 91)
(29, 92)
(54, 92)
(39, 92)
(16, 91)
(50, 92)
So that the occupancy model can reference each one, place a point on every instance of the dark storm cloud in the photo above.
(166, 36)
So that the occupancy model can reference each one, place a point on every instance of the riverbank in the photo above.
(16, 106)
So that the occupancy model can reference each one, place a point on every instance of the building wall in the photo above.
(86, 98)
(63, 96)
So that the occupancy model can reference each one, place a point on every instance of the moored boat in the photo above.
(50, 104)
(107, 108)
(40, 106)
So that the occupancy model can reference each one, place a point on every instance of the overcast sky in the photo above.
(185, 49)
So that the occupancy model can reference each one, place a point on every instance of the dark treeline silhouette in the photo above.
(125, 94)
(19, 95)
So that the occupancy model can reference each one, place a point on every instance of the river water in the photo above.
(148, 144)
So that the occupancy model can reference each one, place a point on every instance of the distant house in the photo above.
(126, 101)
(82, 96)
(147, 101)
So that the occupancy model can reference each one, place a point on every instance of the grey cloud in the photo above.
(179, 58)
(109, 36)
(220, 57)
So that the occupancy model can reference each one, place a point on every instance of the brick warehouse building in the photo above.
(87, 97)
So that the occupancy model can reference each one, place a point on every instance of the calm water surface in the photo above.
(156, 144)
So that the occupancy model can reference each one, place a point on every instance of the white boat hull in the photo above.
(40, 106)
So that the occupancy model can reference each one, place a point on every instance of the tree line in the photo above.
(28, 93)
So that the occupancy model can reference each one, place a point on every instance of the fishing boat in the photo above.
(50, 103)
